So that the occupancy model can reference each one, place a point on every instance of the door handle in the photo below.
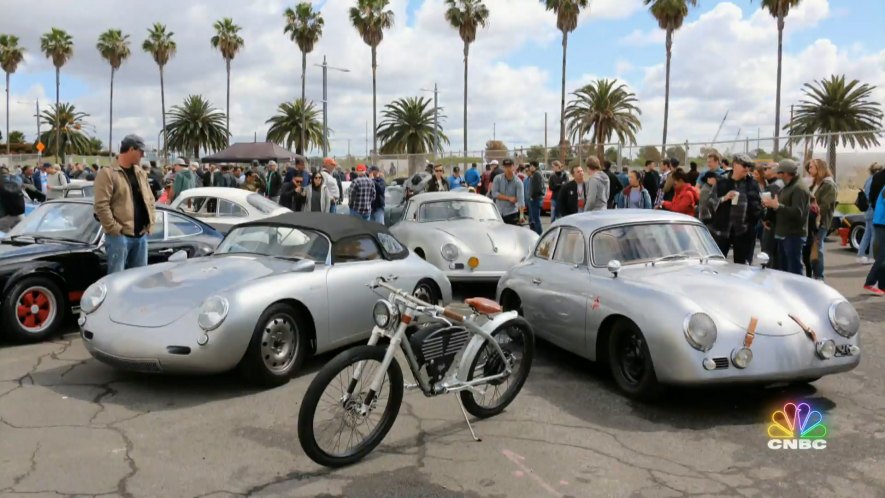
(166, 251)
(536, 281)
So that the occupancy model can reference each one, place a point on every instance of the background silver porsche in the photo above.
(649, 293)
(462, 234)
(275, 291)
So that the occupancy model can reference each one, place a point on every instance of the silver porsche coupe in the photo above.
(463, 235)
(273, 292)
(650, 294)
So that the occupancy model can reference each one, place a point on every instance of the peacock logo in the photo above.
(797, 426)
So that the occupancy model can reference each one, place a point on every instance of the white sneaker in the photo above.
(864, 260)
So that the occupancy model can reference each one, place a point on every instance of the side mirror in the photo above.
(303, 266)
(178, 256)
(614, 267)
(763, 259)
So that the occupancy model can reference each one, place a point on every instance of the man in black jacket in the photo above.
(615, 186)
(739, 208)
(536, 196)
(557, 180)
(273, 182)
(573, 194)
(651, 180)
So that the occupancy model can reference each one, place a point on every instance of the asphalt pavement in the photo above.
(71, 426)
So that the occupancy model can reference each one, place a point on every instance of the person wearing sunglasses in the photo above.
(438, 183)
(316, 196)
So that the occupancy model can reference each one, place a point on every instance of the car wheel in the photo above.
(277, 348)
(857, 233)
(33, 309)
(630, 362)
(427, 292)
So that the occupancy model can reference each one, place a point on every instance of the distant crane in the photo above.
(716, 136)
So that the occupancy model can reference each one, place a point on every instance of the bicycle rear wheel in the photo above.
(332, 428)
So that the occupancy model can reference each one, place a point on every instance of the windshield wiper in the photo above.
(15, 238)
(40, 238)
(674, 257)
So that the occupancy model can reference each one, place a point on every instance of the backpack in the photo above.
(12, 198)
(862, 202)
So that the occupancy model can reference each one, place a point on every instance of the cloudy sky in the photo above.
(724, 59)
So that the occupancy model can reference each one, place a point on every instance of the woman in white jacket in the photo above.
(316, 197)
(55, 183)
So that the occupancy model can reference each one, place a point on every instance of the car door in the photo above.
(356, 261)
(534, 306)
(157, 249)
(565, 286)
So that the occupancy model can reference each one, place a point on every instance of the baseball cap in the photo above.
(180, 162)
(744, 160)
(787, 166)
(361, 168)
(673, 162)
(494, 162)
(255, 162)
(374, 168)
(4, 170)
(132, 141)
(46, 165)
(329, 162)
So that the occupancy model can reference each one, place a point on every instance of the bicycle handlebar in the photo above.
(419, 305)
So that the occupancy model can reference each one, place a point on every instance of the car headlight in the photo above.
(93, 297)
(213, 311)
(844, 318)
(700, 331)
(449, 252)
(384, 314)
(826, 349)
(742, 357)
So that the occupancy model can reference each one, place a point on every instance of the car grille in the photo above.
(146, 366)
(721, 362)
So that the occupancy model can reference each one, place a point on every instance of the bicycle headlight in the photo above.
(384, 314)
(213, 311)
(844, 318)
(93, 297)
(700, 331)
(449, 252)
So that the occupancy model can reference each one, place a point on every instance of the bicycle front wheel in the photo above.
(334, 427)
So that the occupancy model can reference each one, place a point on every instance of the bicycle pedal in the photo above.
(410, 387)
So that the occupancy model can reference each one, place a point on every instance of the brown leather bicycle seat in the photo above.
(483, 305)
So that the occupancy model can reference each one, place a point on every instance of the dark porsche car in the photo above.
(57, 251)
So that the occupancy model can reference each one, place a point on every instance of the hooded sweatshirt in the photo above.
(685, 200)
(184, 180)
(597, 194)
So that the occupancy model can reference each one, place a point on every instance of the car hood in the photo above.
(12, 251)
(156, 299)
(736, 293)
(486, 237)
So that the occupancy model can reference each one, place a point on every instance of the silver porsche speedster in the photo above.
(463, 235)
(649, 293)
(273, 292)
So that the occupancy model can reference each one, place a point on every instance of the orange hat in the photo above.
(329, 162)
(361, 168)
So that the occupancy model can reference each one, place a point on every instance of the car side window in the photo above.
(158, 230)
(544, 249)
(570, 247)
(362, 248)
(411, 212)
(199, 206)
(390, 244)
(180, 226)
(228, 209)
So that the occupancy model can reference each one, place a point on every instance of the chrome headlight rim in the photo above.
(386, 309)
(208, 323)
(745, 353)
(691, 339)
(89, 303)
(449, 251)
(825, 349)
(832, 313)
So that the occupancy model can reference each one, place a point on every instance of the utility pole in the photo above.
(326, 68)
(367, 141)
(546, 163)
(790, 141)
(436, 142)
(493, 131)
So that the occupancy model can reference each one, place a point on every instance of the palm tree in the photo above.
(196, 125)
(113, 46)
(58, 46)
(604, 108)
(408, 128)
(466, 16)
(305, 27)
(228, 42)
(286, 126)
(370, 19)
(670, 14)
(567, 12)
(846, 112)
(779, 9)
(161, 46)
(11, 55)
(65, 133)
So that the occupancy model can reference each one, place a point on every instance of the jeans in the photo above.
(378, 216)
(866, 243)
(553, 209)
(877, 272)
(743, 246)
(535, 214)
(125, 252)
(817, 267)
(790, 254)
(332, 208)
(367, 217)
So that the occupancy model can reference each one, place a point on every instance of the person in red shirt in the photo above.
(685, 200)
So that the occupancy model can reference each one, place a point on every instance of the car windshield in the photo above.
(71, 221)
(457, 210)
(652, 242)
(262, 204)
(280, 242)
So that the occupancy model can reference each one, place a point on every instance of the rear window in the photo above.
(260, 203)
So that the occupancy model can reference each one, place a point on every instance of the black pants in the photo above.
(743, 246)
(877, 271)
(511, 219)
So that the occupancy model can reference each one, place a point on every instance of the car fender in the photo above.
(52, 269)
(477, 341)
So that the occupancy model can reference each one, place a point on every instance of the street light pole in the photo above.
(436, 142)
(326, 68)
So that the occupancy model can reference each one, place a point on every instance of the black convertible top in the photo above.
(334, 226)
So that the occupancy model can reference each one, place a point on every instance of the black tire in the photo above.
(856, 235)
(518, 330)
(631, 364)
(316, 390)
(426, 290)
(42, 306)
(278, 325)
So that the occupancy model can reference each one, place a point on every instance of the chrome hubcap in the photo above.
(279, 344)
(424, 293)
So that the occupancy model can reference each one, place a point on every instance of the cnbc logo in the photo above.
(797, 427)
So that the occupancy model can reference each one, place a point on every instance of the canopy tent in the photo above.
(251, 151)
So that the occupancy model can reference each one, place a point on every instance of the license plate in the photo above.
(843, 350)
